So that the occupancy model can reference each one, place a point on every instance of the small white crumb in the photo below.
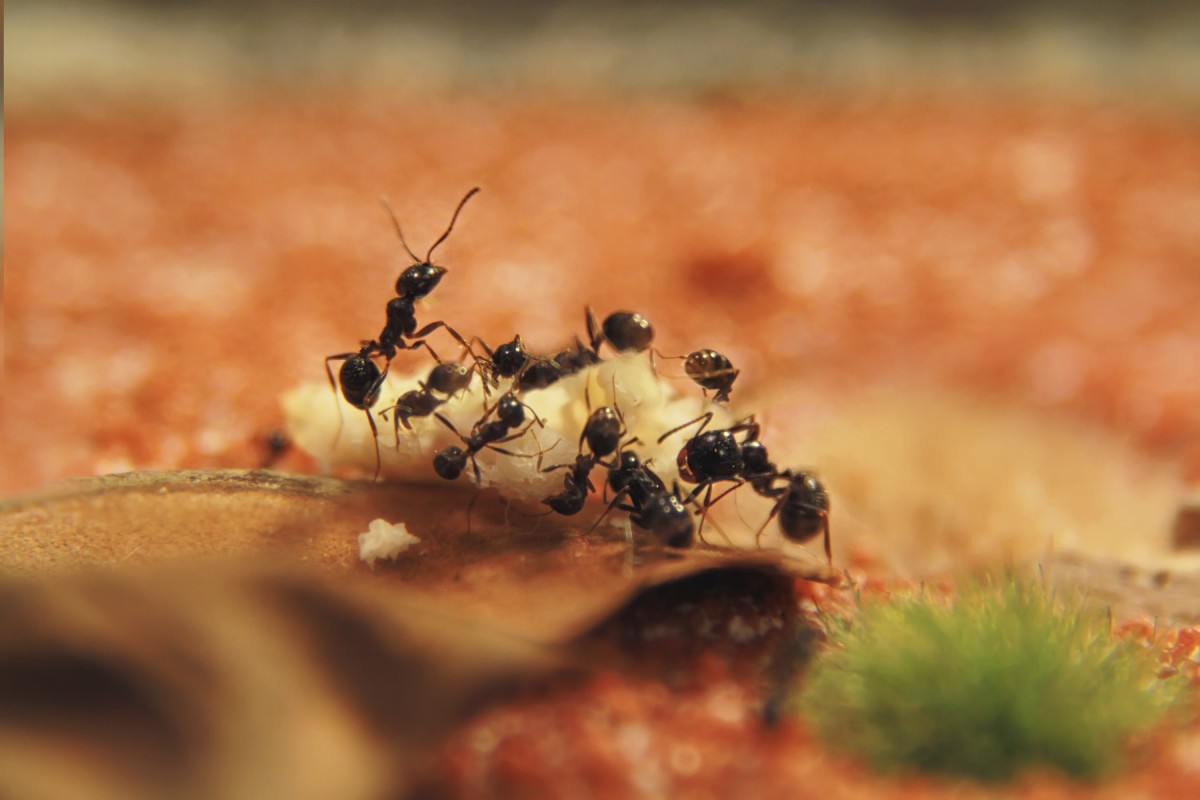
(384, 540)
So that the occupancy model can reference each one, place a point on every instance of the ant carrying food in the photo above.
(504, 362)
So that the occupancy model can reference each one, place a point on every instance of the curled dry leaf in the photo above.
(235, 682)
(536, 578)
(296, 669)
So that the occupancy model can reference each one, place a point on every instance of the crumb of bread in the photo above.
(383, 540)
(337, 434)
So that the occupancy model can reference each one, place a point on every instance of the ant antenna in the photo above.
(400, 233)
(442, 238)
(453, 219)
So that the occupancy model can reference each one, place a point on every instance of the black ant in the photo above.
(623, 330)
(802, 506)
(716, 455)
(542, 371)
(361, 381)
(651, 506)
(602, 432)
(450, 462)
(506, 361)
(711, 371)
(359, 377)
(576, 485)
(416, 282)
(445, 379)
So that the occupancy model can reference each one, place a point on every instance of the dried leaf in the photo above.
(546, 579)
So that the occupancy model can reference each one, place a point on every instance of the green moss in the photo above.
(1004, 678)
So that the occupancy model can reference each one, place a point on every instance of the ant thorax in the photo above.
(338, 435)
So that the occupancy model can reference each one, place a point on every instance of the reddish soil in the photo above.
(171, 270)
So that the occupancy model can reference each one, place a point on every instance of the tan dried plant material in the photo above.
(247, 682)
(538, 578)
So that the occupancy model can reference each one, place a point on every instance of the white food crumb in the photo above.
(384, 540)
(321, 423)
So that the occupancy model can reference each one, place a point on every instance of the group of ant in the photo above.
(708, 458)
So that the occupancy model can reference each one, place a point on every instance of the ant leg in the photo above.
(427, 346)
(774, 510)
(707, 417)
(616, 498)
(594, 331)
(375, 441)
(736, 485)
(449, 425)
(433, 326)
(828, 546)
(631, 548)
(708, 504)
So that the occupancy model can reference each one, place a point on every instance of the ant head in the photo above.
(510, 410)
(423, 276)
(419, 280)
(509, 357)
(682, 461)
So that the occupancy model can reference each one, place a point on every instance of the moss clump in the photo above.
(1003, 678)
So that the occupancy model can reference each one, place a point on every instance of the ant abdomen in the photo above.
(804, 512)
(450, 462)
(711, 370)
(603, 431)
(628, 331)
(567, 503)
(449, 378)
(360, 380)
